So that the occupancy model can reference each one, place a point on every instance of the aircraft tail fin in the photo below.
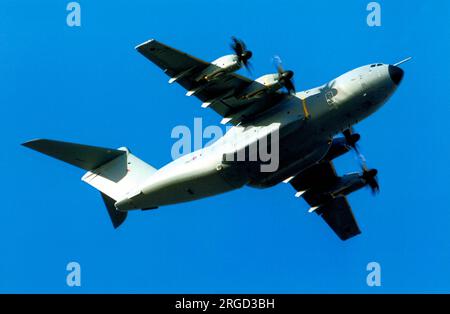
(116, 173)
(117, 217)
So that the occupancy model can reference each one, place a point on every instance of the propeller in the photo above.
(285, 78)
(351, 139)
(241, 52)
(369, 175)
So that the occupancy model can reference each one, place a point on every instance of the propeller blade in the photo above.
(237, 46)
(277, 62)
(371, 178)
(375, 187)
(284, 77)
(352, 138)
(240, 50)
(289, 84)
(248, 66)
(369, 175)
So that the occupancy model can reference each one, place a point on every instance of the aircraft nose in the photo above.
(396, 74)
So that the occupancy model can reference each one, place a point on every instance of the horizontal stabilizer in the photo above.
(116, 173)
(82, 156)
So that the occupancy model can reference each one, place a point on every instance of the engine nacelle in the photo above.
(268, 80)
(349, 183)
(343, 186)
(219, 67)
(261, 85)
(340, 146)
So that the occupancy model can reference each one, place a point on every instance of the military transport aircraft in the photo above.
(307, 124)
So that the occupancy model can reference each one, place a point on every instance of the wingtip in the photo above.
(347, 237)
(31, 143)
(144, 43)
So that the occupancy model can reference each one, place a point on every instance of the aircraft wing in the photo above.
(217, 94)
(335, 210)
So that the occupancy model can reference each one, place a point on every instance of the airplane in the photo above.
(313, 128)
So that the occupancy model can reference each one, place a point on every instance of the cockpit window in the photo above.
(373, 65)
(379, 64)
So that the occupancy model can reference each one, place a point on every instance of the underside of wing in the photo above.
(315, 185)
(318, 176)
(220, 94)
(338, 214)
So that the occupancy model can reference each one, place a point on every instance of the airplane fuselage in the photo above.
(304, 124)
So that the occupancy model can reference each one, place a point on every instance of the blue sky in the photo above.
(89, 85)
